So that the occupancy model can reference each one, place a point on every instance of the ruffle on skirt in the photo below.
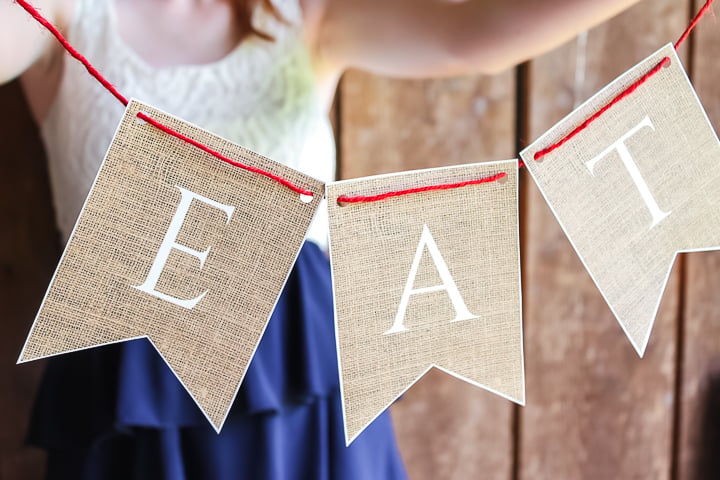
(118, 411)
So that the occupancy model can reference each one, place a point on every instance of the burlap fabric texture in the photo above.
(383, 250)
(238, 234)
(635, 187)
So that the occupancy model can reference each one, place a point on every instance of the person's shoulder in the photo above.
(312, 6)
(313, 12)
(41, 77)
(64, 12)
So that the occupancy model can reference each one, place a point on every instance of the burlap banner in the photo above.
(635, 187)
(426, 279)
(178, 246)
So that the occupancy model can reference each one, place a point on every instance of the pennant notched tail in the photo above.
(357, 420)
(634, 186)
(429, 277)
(177, 249)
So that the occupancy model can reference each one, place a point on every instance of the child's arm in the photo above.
(446, 37)
(22, 40)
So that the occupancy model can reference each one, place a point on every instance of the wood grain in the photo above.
(446, 429)
(699, 440)
(594, 409)
(394, 125)
(28, 254)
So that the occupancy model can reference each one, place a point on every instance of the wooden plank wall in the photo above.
(448, 429)
(699, 378)
(28, 254)
(595, 410)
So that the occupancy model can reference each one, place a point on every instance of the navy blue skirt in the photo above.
(118, 412)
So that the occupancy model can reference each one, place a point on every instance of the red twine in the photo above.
(374, 198)
(220, 156)
(71, 50)
(105, 83)
(360, 199)
(666, 60)
(694, 22)
(541, 153)
(625, 93)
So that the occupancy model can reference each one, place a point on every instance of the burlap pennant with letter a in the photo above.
(635, 185)
(425, 279)
(179, 246)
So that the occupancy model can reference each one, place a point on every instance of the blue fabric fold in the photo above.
(119, 412)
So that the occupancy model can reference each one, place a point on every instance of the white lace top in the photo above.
(262, 96)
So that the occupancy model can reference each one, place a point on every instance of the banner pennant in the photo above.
(634, 185)
(426, 273)
(180, 247)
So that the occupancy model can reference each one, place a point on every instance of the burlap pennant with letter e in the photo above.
(178, 246)
(635, 186)
(426, 279)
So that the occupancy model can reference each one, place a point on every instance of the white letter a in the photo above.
(448, 284)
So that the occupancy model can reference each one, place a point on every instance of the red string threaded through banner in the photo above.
(344, 199)
(359, 199)
(625, 93)
(220, 156)
(105, 83)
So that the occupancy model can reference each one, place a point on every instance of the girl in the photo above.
(261, 74)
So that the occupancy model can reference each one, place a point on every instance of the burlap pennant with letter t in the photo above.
(179, 246)
(635, 185)
(425, 279)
